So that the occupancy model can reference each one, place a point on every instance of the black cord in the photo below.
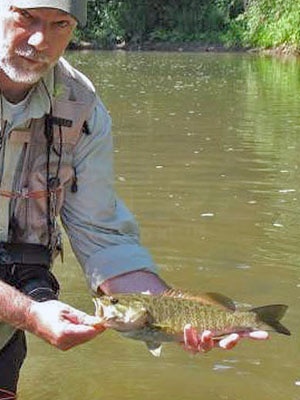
(51, 182)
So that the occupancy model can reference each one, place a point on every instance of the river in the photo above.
(207, 157)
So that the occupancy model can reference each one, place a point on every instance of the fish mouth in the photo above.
(105, 313)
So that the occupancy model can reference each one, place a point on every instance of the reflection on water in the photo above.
(207, 157)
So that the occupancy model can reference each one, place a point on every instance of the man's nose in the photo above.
(38, 40)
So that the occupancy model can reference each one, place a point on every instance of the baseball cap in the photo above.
(76, 8)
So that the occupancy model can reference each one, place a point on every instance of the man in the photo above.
(56, 159)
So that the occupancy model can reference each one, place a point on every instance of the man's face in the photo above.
(32, 40)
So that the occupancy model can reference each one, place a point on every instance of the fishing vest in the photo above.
(42, 159)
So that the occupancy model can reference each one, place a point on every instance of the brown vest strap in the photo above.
(25, 194)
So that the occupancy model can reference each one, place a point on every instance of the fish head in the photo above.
(121, 312)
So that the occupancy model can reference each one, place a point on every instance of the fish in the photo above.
(155, 319)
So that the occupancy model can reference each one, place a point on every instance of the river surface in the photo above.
(207, 157)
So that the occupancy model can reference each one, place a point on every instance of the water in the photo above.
(207, 157)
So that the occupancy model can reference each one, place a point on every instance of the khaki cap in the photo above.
(77, 8)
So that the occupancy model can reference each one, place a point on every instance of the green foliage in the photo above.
(103, 26)
(137, 21)
(272, 23)
(261, 23)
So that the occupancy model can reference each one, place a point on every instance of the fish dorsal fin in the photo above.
(154, 348)
(177, 293)
(203, 298)
(220, 300)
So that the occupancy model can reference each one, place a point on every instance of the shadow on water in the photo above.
(207, 157)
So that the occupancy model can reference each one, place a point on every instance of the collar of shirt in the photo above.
(35, 105)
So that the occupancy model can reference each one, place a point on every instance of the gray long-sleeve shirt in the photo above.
(103, 233)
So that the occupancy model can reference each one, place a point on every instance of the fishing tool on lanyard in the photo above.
(52, 181)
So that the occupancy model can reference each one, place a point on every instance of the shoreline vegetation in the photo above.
(282, 51)
(263, 26)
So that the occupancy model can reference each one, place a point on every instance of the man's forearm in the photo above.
(14, 306)
(55, 322)
(137, 281)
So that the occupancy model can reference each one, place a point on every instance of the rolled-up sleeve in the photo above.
(103, 233)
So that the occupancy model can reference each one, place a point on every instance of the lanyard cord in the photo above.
(3, 122)
(52, 182)
(48, 131)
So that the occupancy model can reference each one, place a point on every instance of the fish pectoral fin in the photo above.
(154, 348)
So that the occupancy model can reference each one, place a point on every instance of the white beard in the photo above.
(20, 71)
(17, 75)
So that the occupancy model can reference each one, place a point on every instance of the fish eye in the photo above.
(113, 300)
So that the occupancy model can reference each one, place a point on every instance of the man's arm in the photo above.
(14, 306)
(55, 322)
(103, 233)
(134, 282)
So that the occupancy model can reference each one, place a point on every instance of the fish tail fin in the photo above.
(271, 315)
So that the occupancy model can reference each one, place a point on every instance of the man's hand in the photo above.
(61, 325)
(195, 342)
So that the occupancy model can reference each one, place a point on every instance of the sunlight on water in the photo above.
(207, 157)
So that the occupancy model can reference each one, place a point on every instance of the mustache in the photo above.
(32, 53)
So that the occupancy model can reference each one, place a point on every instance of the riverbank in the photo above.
(157, 46)
(283, 50)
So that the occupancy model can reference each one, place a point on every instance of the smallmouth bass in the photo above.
(161, 318)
